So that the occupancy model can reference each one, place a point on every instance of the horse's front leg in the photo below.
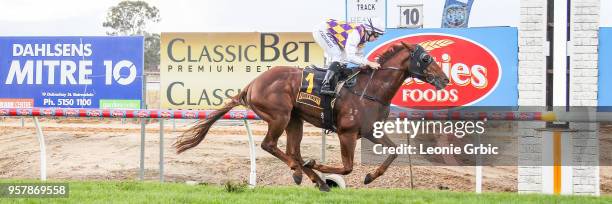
(347, 149)
(386, 142)
(295, 131)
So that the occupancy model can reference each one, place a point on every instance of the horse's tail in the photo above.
(196, 134)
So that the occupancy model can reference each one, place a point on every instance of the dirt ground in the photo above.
(109, 149)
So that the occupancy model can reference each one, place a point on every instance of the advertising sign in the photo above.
(456, 13)
(202, 70)
(482, 69)
(71, 72)
(604, 97)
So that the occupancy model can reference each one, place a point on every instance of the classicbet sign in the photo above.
(480, 63)
(71, 72)
(202, 70)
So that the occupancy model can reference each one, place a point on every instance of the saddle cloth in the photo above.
(309, 94)
(312, 81)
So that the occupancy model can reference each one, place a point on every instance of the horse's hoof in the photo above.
(297, 178)
(324, 188)
(368, 179)
(309, 164)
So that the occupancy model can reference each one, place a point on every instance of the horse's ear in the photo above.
(405, 45)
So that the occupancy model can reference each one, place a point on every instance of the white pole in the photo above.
(252, 156)
(143, 105)
(173, 124)
(478, 179)
(560, 53)
(323, 144)
(161, 150)
(43, 152)
(479, 167)
(598, 177)
(142, 147)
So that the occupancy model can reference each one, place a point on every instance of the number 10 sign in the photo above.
(411, 16)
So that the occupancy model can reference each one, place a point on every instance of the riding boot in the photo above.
(327, 86)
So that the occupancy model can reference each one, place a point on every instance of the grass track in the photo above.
(153, 192)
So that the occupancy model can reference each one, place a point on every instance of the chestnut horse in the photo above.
(272, 96)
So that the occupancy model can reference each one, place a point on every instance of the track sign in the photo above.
(359, 11)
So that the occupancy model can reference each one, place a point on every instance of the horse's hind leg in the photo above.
(386, 142)
(294, 138)
(270, 142)
(347, 149)
(275, 130)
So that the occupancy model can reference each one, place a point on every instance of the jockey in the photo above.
(343, 42)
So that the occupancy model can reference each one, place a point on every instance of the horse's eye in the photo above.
(426, 58)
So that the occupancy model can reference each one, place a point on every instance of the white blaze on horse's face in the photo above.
(435, 76)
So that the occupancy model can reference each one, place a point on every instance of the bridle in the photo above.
(419, 61)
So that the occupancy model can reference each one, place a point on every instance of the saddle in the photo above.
(309, 94)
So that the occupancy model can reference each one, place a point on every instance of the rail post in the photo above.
(161, 150)
(43, 151)
(252, 156)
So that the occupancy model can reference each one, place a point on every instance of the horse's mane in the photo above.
(390, 53)
(385, 56)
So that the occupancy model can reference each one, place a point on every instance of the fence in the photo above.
(245, 115)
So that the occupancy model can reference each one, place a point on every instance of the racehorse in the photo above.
(272, 96)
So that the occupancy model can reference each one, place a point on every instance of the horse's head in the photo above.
(423, 67)
(417, 63)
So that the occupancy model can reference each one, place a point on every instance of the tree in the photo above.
(151, 54)
(129, 18)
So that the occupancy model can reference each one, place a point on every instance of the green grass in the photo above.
(153, 192)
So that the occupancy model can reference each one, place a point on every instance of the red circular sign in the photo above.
(472, 69)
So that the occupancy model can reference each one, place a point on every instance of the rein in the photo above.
(371, 98)
(393, 68)
(419, 60)
(367, 84)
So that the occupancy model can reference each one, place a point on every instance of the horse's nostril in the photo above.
(446, 81)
